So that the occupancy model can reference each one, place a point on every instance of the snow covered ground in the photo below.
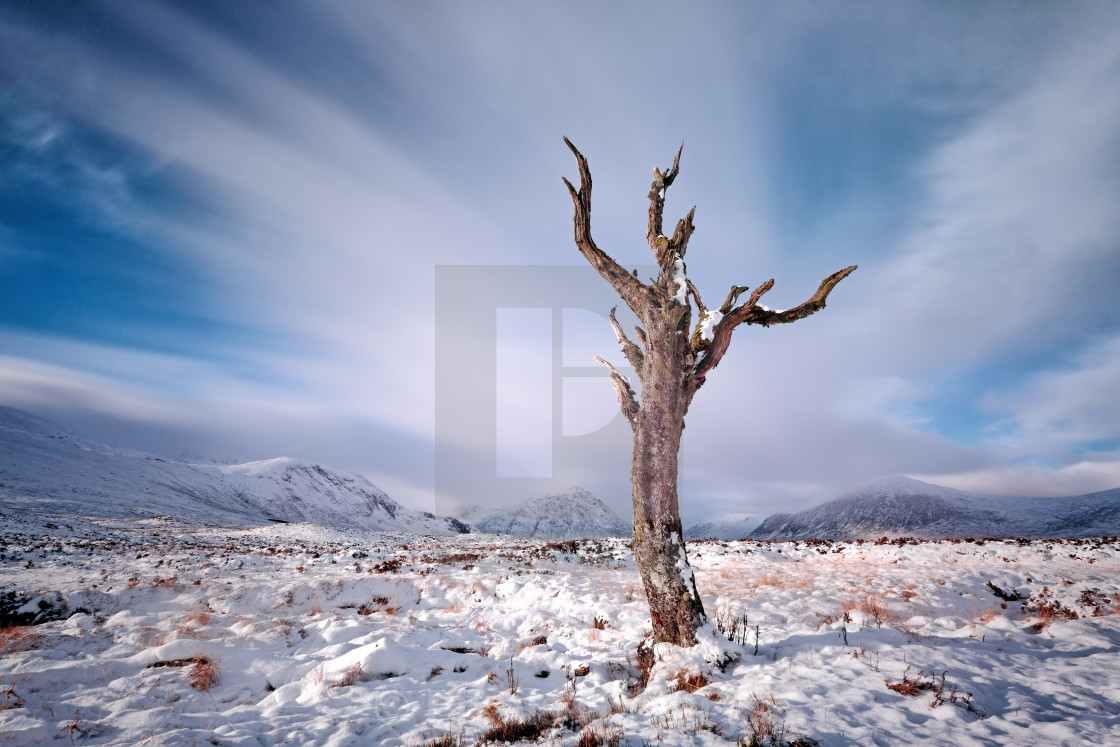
(299, 634)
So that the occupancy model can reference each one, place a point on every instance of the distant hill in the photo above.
(903, 506)
(572, 514)
(730, 528)
(45, 467)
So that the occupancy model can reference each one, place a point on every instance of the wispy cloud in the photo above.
(1018, 222)
(278, 189)
(1014, 227)
(1062, 411)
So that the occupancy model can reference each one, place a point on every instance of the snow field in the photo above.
(347, 637)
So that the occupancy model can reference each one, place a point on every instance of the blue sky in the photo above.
(220, 225)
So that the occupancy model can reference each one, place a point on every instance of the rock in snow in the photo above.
(44, 466)
(572, 514)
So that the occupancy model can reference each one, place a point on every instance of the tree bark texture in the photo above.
(672, 359)
(674, 601)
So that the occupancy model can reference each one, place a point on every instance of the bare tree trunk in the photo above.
(674, 601)
(672, 362)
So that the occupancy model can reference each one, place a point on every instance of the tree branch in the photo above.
(761, 315)
(626, 400)
(657, 189)
(682, 233)
(641, 333)
(667, 251)
(692, 291)
(739, 315)
(629, 287)
(633, 353)
(732, 298)
(752, 313)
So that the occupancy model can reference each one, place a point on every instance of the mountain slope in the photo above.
(904, 506)
(45, 467)
(730, 528)
(572, 514)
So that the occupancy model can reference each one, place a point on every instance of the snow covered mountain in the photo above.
(904, 506)
(47, 468)
(731, 527)
(572, 514)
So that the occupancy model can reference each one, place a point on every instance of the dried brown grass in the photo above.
(872, 605)
(191, 624)
(491, 714)
(16, 638)
(204, 674)
(688, 682)
(914, 686)
(350, 675)
(541, 640)
(990, 613)
(11, 698)
(731, 582)
(530, 728)
(600, 735)
(378, 604)
(447, 740)
(204, 671)
(763, 726)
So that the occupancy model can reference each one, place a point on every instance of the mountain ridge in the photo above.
(724, 529)
(904, 506)
(47, 467)
(570, 514)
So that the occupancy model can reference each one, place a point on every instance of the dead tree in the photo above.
(672, 359)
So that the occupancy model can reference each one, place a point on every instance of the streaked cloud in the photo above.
(228, 223)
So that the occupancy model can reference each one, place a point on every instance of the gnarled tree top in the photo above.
(711, 335)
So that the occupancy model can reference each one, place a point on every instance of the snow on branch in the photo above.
(679, 281)
(752, 312)
(761, 315)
